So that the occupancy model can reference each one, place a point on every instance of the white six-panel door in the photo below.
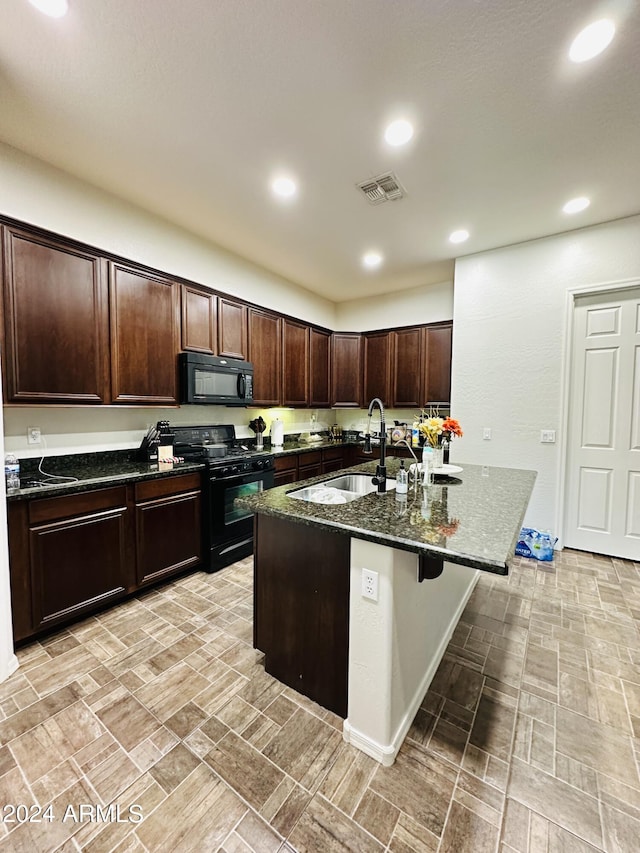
(603, 446)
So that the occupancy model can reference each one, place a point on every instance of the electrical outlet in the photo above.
(548, 436)
(486, 434)
(370, 584)
(34, 436)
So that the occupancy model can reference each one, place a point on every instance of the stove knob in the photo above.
(234, 469)
(224, 472)
(259, 464)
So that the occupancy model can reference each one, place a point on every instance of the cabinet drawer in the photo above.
(332, 453)
(286, 463)
(313, 458)
(150, 489)
(46, 509)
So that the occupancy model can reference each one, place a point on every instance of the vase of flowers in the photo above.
(438, 432)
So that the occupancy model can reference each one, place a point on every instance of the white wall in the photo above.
(510, 312)
(430, 303)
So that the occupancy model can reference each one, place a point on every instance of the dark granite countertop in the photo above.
(291, 447)
(472, 518)
(88, 471)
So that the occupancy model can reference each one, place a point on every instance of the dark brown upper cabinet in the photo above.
(319, 368)
(438, 343)
(377, 366)
(55, 321)
(144, 336)
(346, 370)
(199, 320)
(265, 352)
(232, 329)
(295, 363)
(407, 371)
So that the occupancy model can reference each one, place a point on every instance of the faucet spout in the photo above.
(380, 478)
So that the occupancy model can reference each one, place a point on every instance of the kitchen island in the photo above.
(371, 659)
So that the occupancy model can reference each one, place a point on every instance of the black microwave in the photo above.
(215, 380)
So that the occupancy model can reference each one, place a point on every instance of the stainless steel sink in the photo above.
(339, 490)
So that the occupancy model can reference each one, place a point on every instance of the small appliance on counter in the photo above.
(277, 433)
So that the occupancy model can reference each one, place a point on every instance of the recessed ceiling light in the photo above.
(592, 40)
(459, 236)
(371, 260)
(398, 132)
(52, 8)
(284, 186)
(576, 205)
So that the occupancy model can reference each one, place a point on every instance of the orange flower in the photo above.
(452, 427)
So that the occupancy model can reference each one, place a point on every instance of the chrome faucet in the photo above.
(380, 478)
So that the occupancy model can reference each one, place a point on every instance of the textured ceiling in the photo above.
(187, 108)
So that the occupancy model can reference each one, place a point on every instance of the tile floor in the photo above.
(528, 740)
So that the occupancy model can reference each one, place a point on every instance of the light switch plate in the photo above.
(547, 436)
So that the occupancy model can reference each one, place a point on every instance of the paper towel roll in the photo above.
(277, 433)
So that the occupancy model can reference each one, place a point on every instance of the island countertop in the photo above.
(472, 518)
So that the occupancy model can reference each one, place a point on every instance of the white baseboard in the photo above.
(12, 665)
(386, 754)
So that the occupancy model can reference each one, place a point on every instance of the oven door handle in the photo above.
(242, 385)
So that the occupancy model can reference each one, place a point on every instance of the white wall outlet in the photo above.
(34, 436)
(370, 584)
(548, 436)
(486, 434)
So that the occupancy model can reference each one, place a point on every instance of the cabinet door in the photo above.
(407, 368)
(438, 363)
(168, 526)
(295, 363)
(319, 368)
(78, 553)
(346, 369)
(144, 337)
(377, 366)
(232, 329)
(265, 351)
(301, 618)
(56, 316)
(199, 320)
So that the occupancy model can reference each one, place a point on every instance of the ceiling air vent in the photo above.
(383, 188)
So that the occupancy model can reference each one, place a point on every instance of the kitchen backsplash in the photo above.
(78, 430)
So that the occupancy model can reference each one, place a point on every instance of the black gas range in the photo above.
(233, 470)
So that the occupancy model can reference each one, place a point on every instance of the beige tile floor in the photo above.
(159, 712)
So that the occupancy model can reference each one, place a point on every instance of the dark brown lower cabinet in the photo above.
(78, 553)
(74, 554)
(333, 459)
(168, 527)
(301, 608)
(309, 465)
(286, 469)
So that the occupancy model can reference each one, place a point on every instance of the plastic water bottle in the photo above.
(426, 464)
(12, 471)
(402, 480)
